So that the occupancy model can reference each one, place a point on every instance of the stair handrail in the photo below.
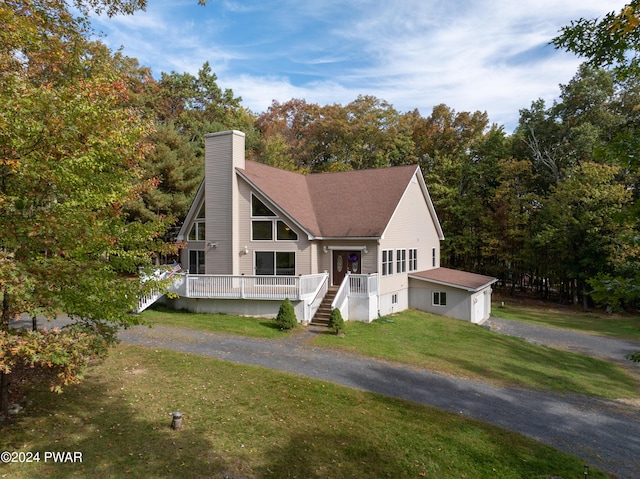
(342, 295)
(314, 304)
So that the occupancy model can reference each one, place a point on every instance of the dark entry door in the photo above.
(344, 261)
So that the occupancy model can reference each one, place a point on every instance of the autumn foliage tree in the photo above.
(70, 146)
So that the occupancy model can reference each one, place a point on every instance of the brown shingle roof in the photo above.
(342, 204)
(455, 278)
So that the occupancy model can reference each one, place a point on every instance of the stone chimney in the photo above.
(224, 152)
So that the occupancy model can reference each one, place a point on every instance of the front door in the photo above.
(344, 261)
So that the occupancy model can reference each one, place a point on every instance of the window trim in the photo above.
(198, 230)
(200, 255)
(275, 262)
(291, 230)
(401, 261)
(272, 215)
(275, 221)
(387, 262)
(441, 298)
(413, 259)
(255, 222)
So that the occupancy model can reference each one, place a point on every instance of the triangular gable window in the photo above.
(258, 208)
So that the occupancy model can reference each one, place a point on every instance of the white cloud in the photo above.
(470, 54)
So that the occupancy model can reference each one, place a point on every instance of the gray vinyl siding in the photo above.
(458, 301)
(223, 153)
(302, 247)
(411, 227)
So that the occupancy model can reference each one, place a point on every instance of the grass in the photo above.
(446, 346)
(461, 349)
(219, 323)
(624, 326)
(248, 422)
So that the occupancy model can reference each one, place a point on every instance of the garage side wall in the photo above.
(458, 305)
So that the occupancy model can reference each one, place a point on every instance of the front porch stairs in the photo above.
(321, 318)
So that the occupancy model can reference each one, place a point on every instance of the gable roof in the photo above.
(356, 204)
(454, 278)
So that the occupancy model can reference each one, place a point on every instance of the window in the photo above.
(197, 230)
(258, 208)
(439, 298)
(285, 233)
(280, 263)
(433, 257)
(196, 261)
(265, 227)
(401, 261)
(394, 299)
(285, 263)
(262, 230)
(387, 262)
(413, 260)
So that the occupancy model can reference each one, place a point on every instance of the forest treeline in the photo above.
(551, 207)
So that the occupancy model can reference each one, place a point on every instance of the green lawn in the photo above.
(446, 346)
(461, 349)
(248, 422)
(219, 323)
(625, 326)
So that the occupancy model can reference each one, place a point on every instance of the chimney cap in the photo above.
(224, 133)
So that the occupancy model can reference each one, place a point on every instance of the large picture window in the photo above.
(279, 263)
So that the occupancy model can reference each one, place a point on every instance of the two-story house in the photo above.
(369, 239)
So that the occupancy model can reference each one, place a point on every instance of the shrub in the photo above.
(286, 318)
(336, 322)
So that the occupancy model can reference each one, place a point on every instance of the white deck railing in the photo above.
(310, 289)
(363, 285)
(251, 287)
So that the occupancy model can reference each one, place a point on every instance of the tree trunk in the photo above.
(4, 314)
(4, 378)
(4, 395)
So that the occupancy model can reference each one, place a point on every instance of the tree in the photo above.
(366, 133)
(613, 41)
(286, 318)
(582, 226)
(446, 143)
(336, 321)
(176, 166)
(70, 146)
(183, 108)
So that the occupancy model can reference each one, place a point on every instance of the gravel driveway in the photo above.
(602, 347)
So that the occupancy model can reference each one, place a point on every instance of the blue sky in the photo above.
(487, 55)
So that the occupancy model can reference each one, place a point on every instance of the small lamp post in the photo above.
(176, 422)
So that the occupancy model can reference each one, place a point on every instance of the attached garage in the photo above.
(452, 293)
